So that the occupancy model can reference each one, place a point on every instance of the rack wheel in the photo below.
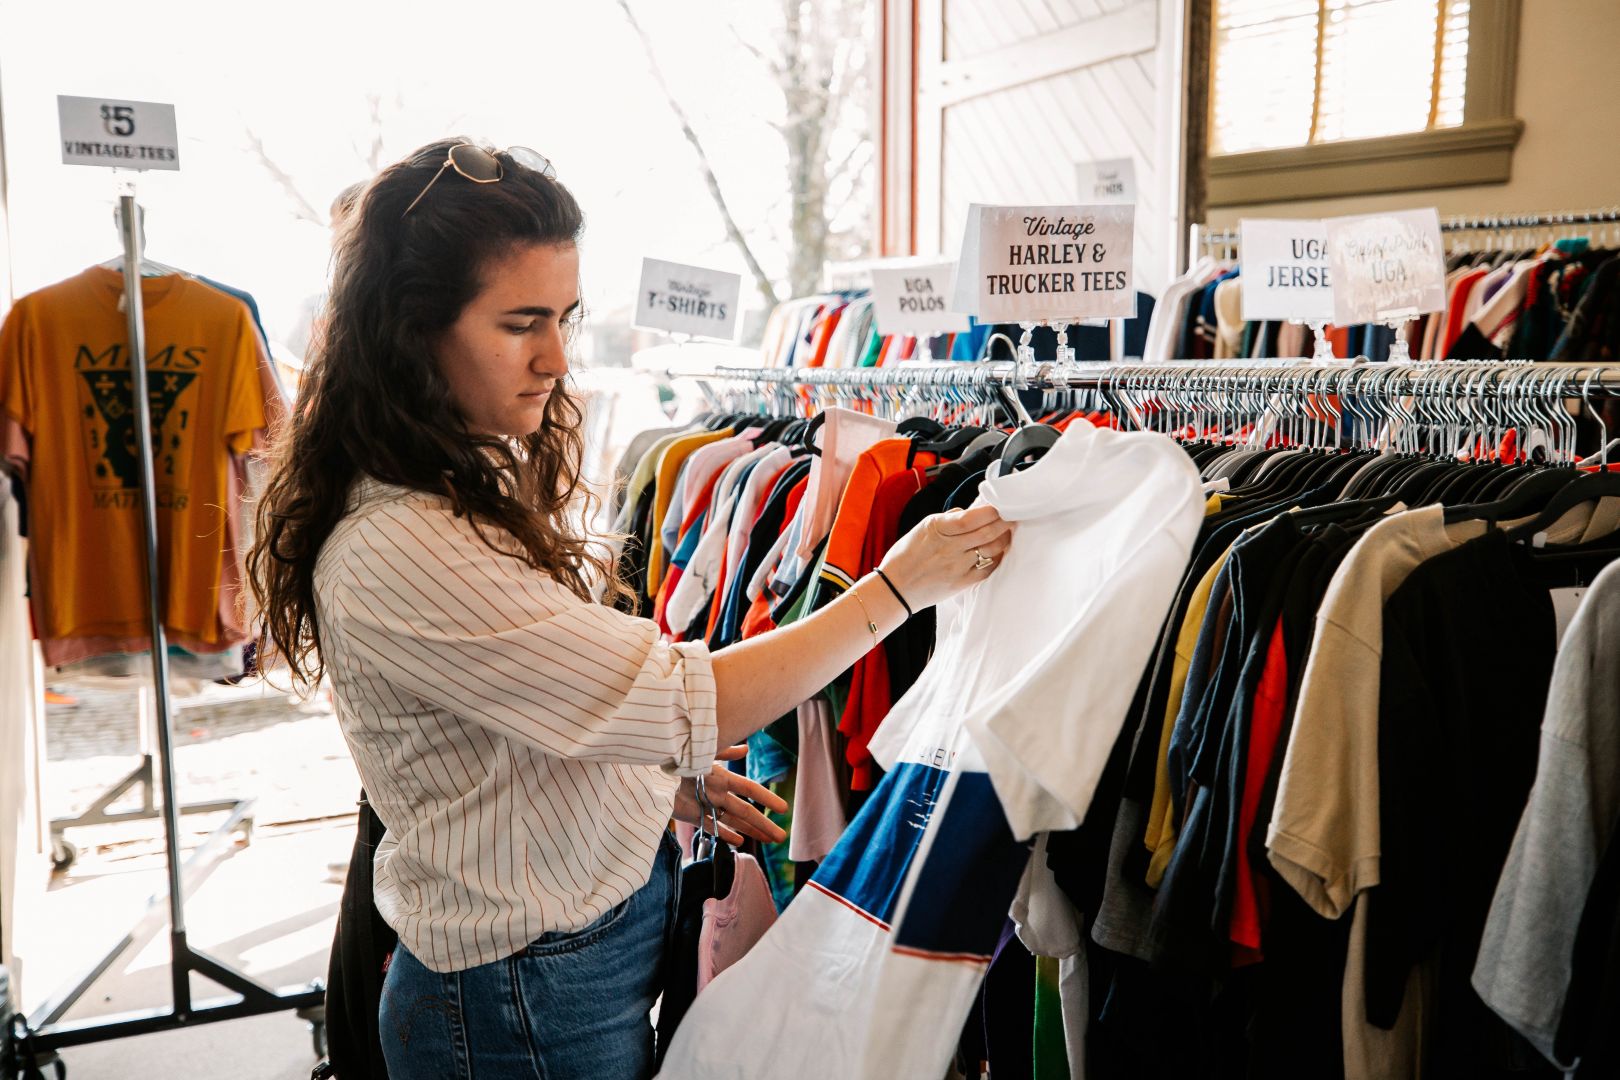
(64, 853)
(34, 1072)
(316, 1016)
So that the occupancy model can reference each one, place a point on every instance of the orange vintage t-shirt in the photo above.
(65, 378)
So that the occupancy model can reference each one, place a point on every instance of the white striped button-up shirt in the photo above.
(522, 746)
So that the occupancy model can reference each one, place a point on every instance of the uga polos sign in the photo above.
(913, 296)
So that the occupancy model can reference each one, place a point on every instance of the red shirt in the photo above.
(1249, 904)
(869, 697)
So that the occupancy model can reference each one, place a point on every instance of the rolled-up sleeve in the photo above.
(425, 604)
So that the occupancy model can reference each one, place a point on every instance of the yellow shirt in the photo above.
(65, 377)
(669, 468)
(1161, 827)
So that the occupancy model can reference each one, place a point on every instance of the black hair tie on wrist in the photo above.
(897, 596)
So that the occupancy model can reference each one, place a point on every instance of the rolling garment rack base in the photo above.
(29, 1046)
(142, 778)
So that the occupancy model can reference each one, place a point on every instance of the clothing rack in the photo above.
(1451, 377)
(1207, 241)
(38, 1037)
(1378, 406)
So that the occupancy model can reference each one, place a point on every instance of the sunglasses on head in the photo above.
(482, 167)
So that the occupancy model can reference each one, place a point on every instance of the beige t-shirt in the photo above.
(1323, 838)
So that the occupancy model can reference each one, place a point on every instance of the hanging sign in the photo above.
(1285, 271)
(911, 296)
(693, 300)
(118, 134)
(1054, 263)
(846, 276)
(1386, 266)
(1107, 182)
(964, 290)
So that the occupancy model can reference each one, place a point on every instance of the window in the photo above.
(1306, 95)
(1300, 72)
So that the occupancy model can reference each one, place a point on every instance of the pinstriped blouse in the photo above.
(523, 747)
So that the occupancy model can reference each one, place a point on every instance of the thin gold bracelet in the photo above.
(870, 625)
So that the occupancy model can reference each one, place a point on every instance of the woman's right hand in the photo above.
(940, 557)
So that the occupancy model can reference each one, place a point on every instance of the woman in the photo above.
(525, 745)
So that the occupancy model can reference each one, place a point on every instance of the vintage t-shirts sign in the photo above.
(913, 296)
(1051, 263)
(1386, 266)
(692, 300)
(1285, 270)
(118, 134)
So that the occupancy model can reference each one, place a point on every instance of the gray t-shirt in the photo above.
(1524, 962)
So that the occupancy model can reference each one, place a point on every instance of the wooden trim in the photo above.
(1493, 60)
(929, 128)
(1200, 100)
(1127, 32)
(1441, 10)
(1321, 49)
(880, 241)
(1170, 65)
(897, 197)
(910, 246)
(1475, 153)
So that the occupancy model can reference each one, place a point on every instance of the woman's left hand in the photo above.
(734, 795)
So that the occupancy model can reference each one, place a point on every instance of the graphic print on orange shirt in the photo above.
(107, 420)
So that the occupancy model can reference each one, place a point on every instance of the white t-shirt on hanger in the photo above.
(872, 969)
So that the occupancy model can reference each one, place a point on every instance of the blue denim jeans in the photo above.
(570, 1006)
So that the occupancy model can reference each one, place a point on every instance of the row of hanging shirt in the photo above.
(1555, 300)
(930, 851)
(840, 330)
(1320, 824)
(741, 523)
(1337, 846)
(67, 428)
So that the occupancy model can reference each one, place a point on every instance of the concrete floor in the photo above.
(266, 908)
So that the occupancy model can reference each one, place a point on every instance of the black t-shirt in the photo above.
(633, 558)
(1469, 641)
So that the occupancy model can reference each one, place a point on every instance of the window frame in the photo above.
(1479, 151)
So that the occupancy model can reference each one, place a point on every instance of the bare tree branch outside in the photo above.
(819, 61)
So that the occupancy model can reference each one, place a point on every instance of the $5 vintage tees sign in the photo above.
(65, 378)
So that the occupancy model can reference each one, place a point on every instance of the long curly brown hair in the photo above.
(373, 401)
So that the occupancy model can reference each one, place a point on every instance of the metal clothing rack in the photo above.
(1423, 378)
(1391, 404)
(143, 780)
(1207, 241)
(36, 1039)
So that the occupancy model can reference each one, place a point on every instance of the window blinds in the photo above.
(1296, 72)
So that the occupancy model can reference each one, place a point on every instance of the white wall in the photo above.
(1012, 94)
